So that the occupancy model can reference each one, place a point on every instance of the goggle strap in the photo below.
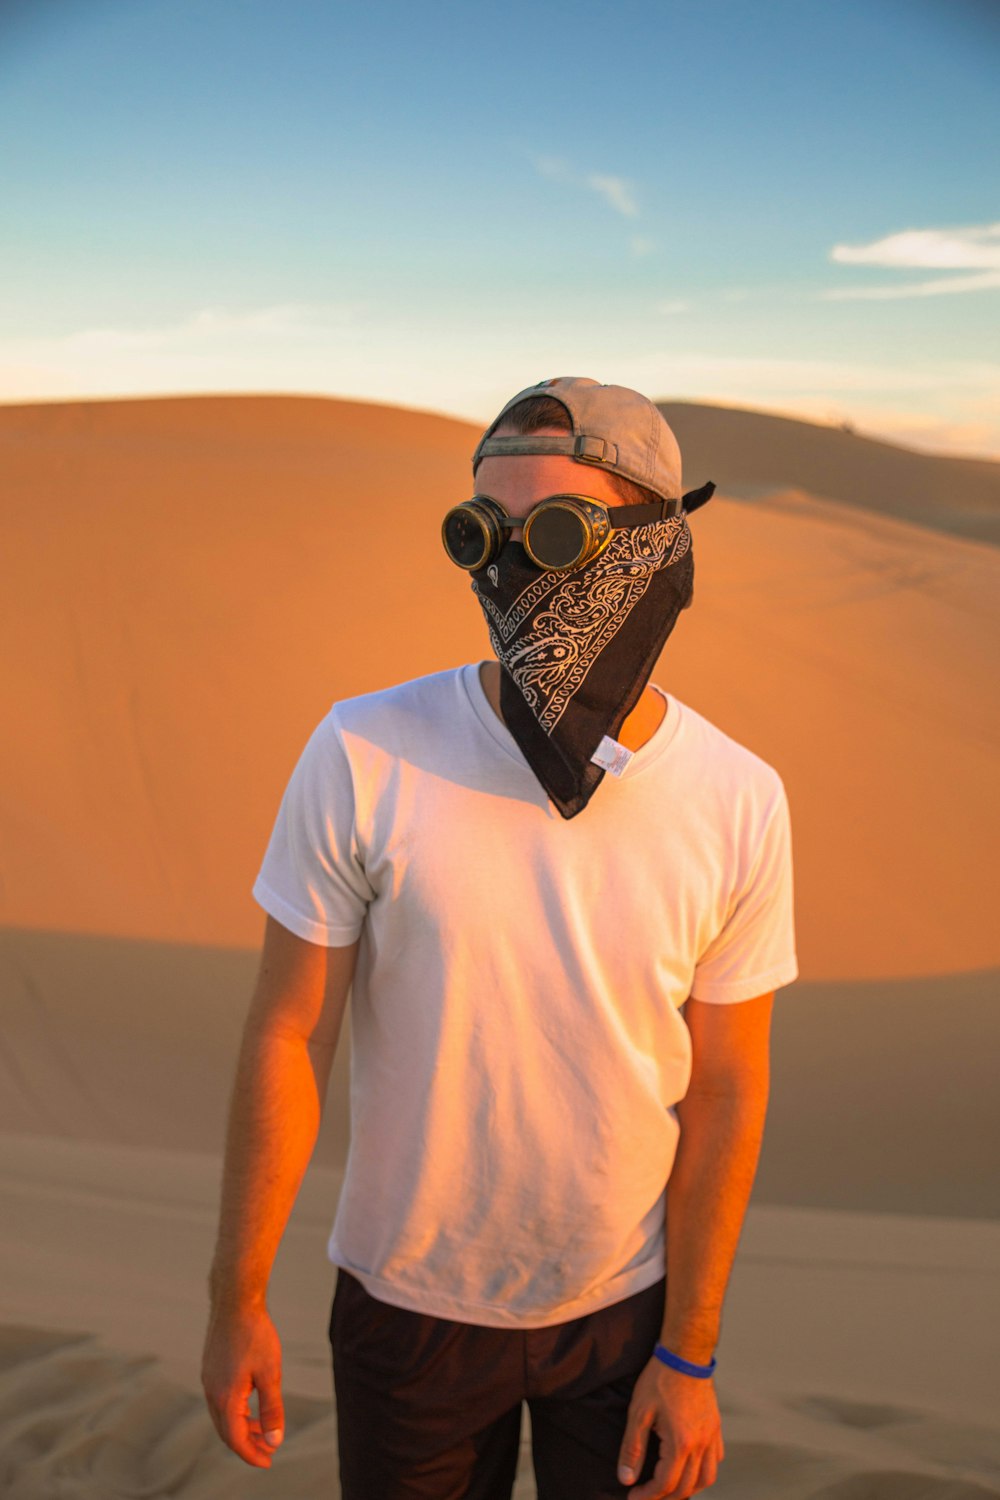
(641, 515)
(694, 498)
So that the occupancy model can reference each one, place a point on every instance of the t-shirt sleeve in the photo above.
(754, 952)
(312, 879)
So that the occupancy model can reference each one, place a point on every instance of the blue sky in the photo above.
(788, 204)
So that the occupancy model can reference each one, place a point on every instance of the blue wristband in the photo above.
(700, 1372)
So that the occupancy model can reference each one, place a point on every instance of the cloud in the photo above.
(616, 191)
(941, 286)
(974, 250)
(672, 305)
(640, 245)
(211, 348)
(210, 325)
(772, 376)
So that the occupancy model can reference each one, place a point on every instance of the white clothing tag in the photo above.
(611, 756)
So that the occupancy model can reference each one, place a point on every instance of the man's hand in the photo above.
(289, 1041)
(682, 1411)
(242, 1354)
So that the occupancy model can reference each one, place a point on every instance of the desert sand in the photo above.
(190, 582)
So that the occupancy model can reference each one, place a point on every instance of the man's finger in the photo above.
(272, 1411)
(687, 1481)
(665, 1476)
(633, 1449)
(241, 1432)
(672, 1480)
(708, 1473)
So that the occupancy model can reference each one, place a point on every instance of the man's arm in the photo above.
(722, 1124)
(288, 1046)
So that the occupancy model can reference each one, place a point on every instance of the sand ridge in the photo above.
(753, 453)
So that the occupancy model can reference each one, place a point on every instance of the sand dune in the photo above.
(883, 1092)
(751, 452)
(190, 583)
(195, 589)
(193, 581)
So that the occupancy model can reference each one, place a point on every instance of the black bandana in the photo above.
(577, 649)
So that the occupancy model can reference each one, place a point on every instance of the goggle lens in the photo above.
(465, 538)
(556, 537)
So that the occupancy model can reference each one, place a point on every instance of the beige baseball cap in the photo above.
(613, 428)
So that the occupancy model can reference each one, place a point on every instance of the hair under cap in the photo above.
(614, 428)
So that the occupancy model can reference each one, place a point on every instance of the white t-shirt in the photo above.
(517, 1042)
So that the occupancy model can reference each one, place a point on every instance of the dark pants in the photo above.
(430, 1409)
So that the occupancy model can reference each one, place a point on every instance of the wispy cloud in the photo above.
(773, 376)
(974, 251)
(210, 348)
(672, 305)
(640, 245)
(942, 286)
(617, 192)
(212, 325)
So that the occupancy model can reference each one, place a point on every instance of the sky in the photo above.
(790, 205)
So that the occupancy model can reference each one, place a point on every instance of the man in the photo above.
(565, 901)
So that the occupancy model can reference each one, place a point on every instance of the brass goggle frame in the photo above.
(488, 521)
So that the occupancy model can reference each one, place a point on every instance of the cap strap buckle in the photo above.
(594, 450)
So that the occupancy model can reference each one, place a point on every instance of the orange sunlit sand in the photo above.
(190, 582)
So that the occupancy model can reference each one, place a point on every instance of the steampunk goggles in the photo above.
(560, 533)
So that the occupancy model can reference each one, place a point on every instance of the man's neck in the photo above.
(640, 726)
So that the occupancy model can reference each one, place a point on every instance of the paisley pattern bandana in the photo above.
(577, 649)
